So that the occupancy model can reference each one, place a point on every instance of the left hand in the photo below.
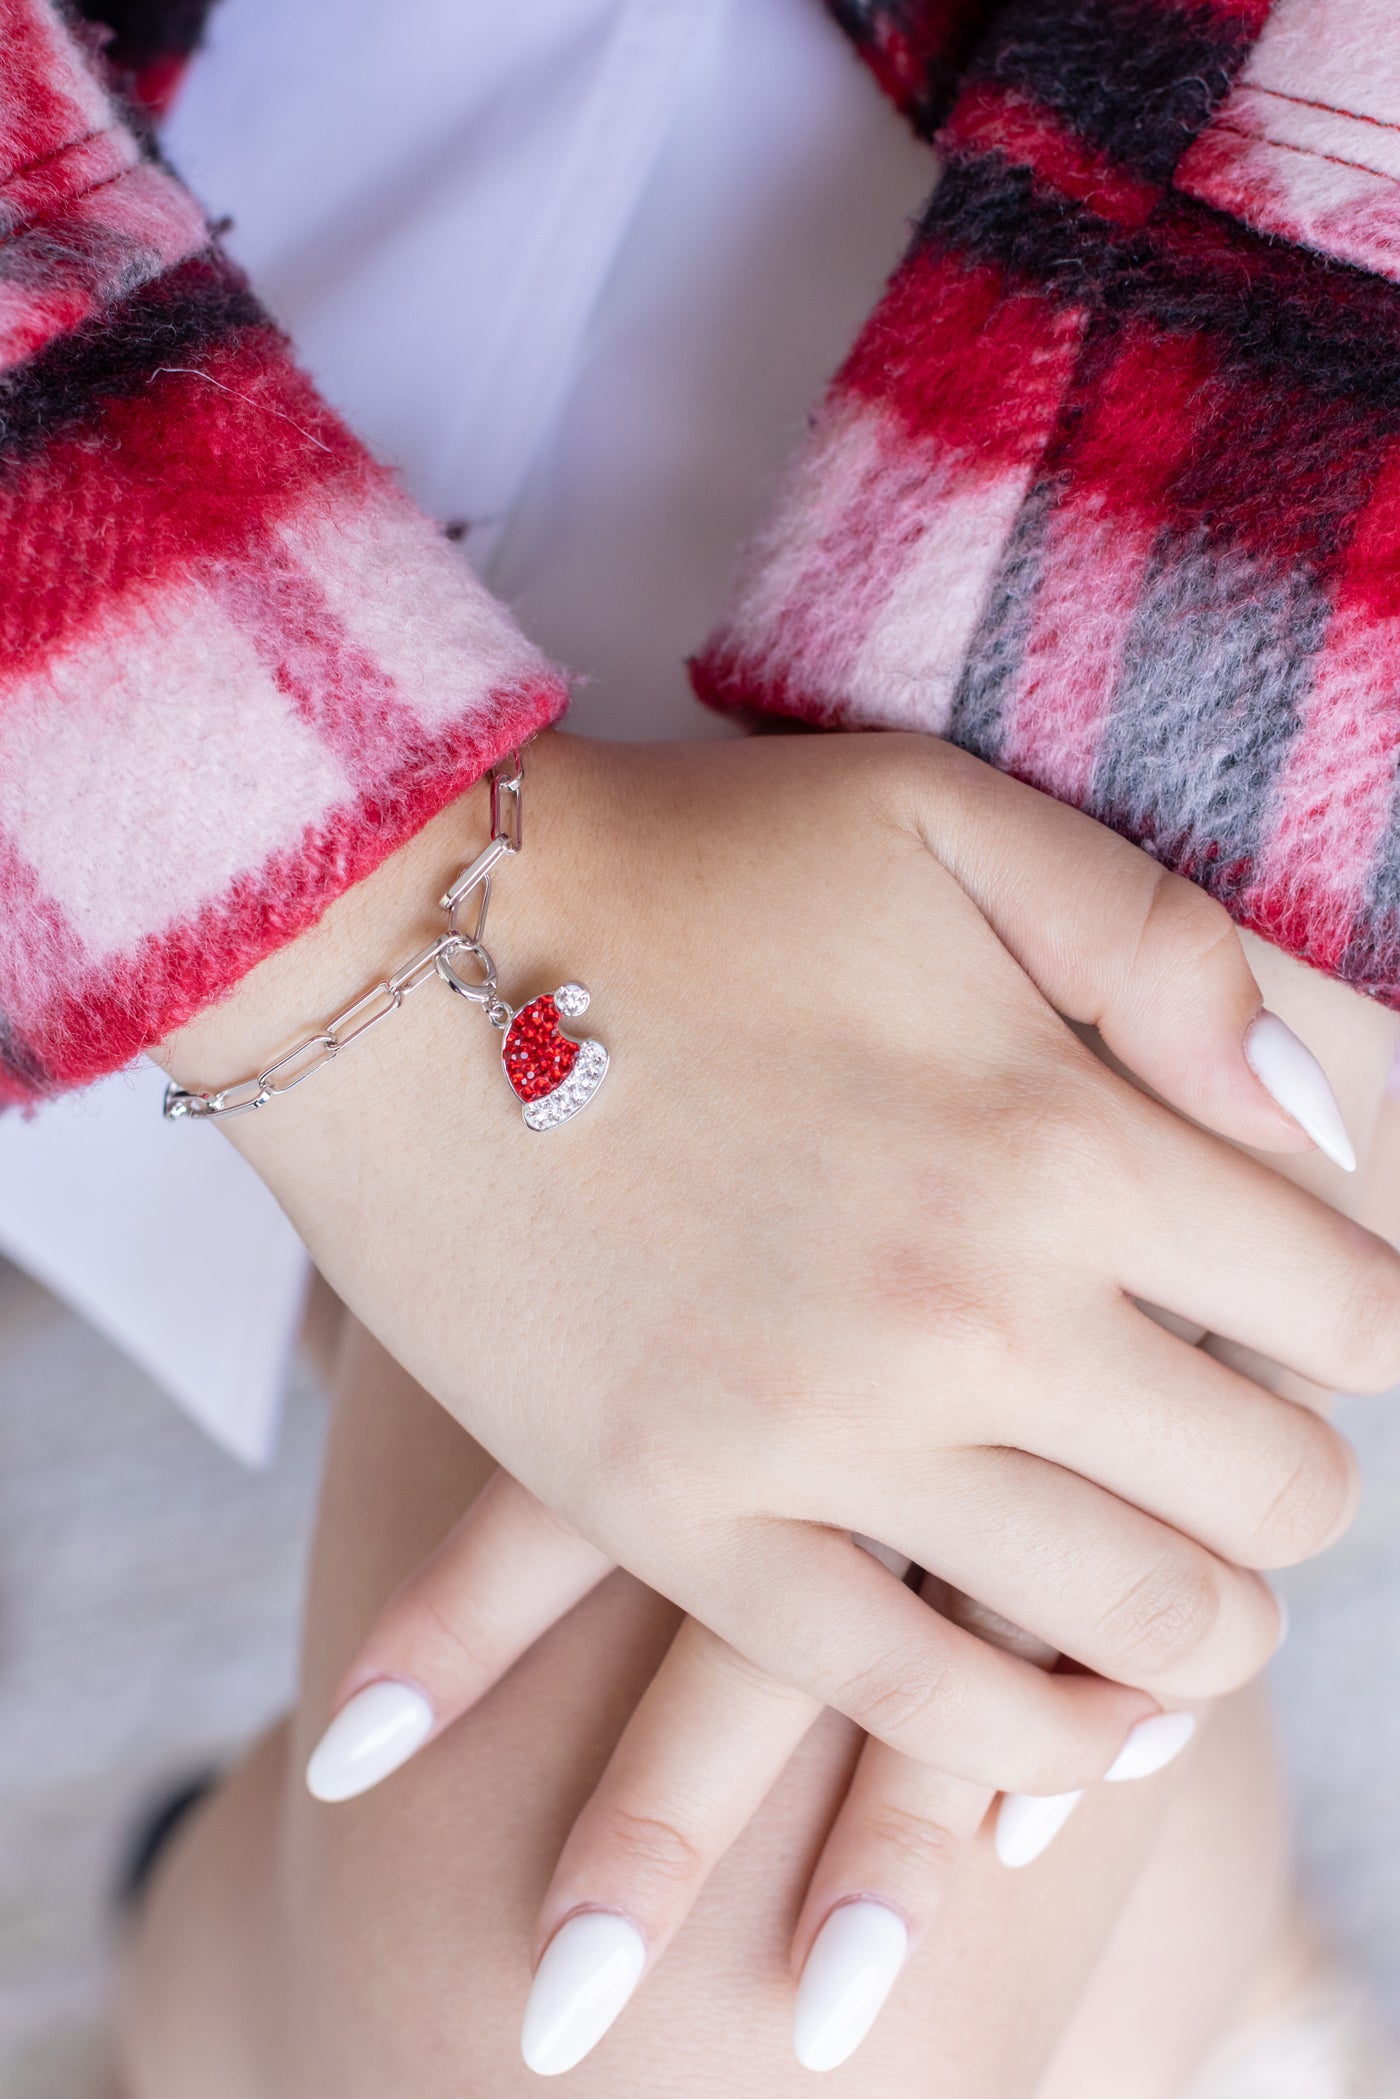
(709, 1737)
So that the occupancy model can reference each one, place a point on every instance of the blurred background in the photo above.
(149, 1590)
(149, 1593)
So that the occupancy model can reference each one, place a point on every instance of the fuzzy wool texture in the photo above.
(915, 48)
(1108, 490)
(237, 667)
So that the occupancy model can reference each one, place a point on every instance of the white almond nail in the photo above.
(1027, 1822)
(378, 1729)
(1287, 1069)
(849, 1973)
(590, 1968)
(1152, 1745)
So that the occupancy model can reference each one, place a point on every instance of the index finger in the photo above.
(1117, 942)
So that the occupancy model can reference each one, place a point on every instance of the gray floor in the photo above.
(148, 1593)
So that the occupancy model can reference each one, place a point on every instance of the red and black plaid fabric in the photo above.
(146, 45)
(1109, 489)
(915, 48)
(237, 667)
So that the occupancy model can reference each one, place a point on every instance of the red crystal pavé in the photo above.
(537, 1057)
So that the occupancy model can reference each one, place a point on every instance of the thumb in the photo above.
(1116, 942)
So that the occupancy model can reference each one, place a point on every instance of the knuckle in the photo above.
(1183, 927)
(1063, 1149)
(1315, 1503)
(903, 768)
(651, 1849)
(1368, 1331)
(666, 1486)
(458, 1642)
(917, 1844)
(1162, 1622)
(740, 1682)
(899, 1699)
(945, 1297)
(1189, 918)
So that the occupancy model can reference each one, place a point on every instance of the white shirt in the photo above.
(578, 268)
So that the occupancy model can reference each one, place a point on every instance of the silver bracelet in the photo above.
(551, 1074)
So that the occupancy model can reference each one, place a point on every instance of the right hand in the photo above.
(852, 1239)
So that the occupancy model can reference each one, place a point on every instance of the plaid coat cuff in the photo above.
(1109, 488)
(915, 48)
(237, 667)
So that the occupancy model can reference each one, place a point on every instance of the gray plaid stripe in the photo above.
(1217, 663)
(993, 669)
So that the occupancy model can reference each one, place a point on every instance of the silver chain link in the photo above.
(439, 959)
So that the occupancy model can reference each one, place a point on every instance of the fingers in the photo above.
(899, 1841)
(1146, 957)
(506, 1573)
(707, 1742)
(822, 1615)
(1092, 1577)
(1228, 1243)
(1028, 1824)
(895, 1848)
(708, 1739)
(1187, 1438)
(818, 1612)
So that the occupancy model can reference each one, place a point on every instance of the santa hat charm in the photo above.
(553, 1075)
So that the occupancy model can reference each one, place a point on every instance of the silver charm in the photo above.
(552, 1074)
(550, 1083)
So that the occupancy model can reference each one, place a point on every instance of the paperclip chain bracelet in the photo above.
(551, 1073)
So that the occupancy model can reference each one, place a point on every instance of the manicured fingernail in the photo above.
(378, 1729)
(590, 1968)
(849, 1973)
(1027, 1822)
(1287, 1069)
(1152, 1745)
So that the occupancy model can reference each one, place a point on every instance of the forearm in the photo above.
(428, 1080)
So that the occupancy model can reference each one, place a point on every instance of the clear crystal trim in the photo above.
(589, 1071)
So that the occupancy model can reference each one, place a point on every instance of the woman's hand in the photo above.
(851, 1240)
(707, 1741)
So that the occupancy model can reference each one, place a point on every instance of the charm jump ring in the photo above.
(483, 992)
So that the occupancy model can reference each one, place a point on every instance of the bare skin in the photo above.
(930, 1222)
(384, 1946)
(294, 1949)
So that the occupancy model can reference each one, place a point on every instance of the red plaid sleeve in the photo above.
(237, 667)
(1109, 489)
(915, 48)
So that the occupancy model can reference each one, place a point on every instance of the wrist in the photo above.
(365, 936)
(369, 1158)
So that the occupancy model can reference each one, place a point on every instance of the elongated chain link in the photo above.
(439, 959)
